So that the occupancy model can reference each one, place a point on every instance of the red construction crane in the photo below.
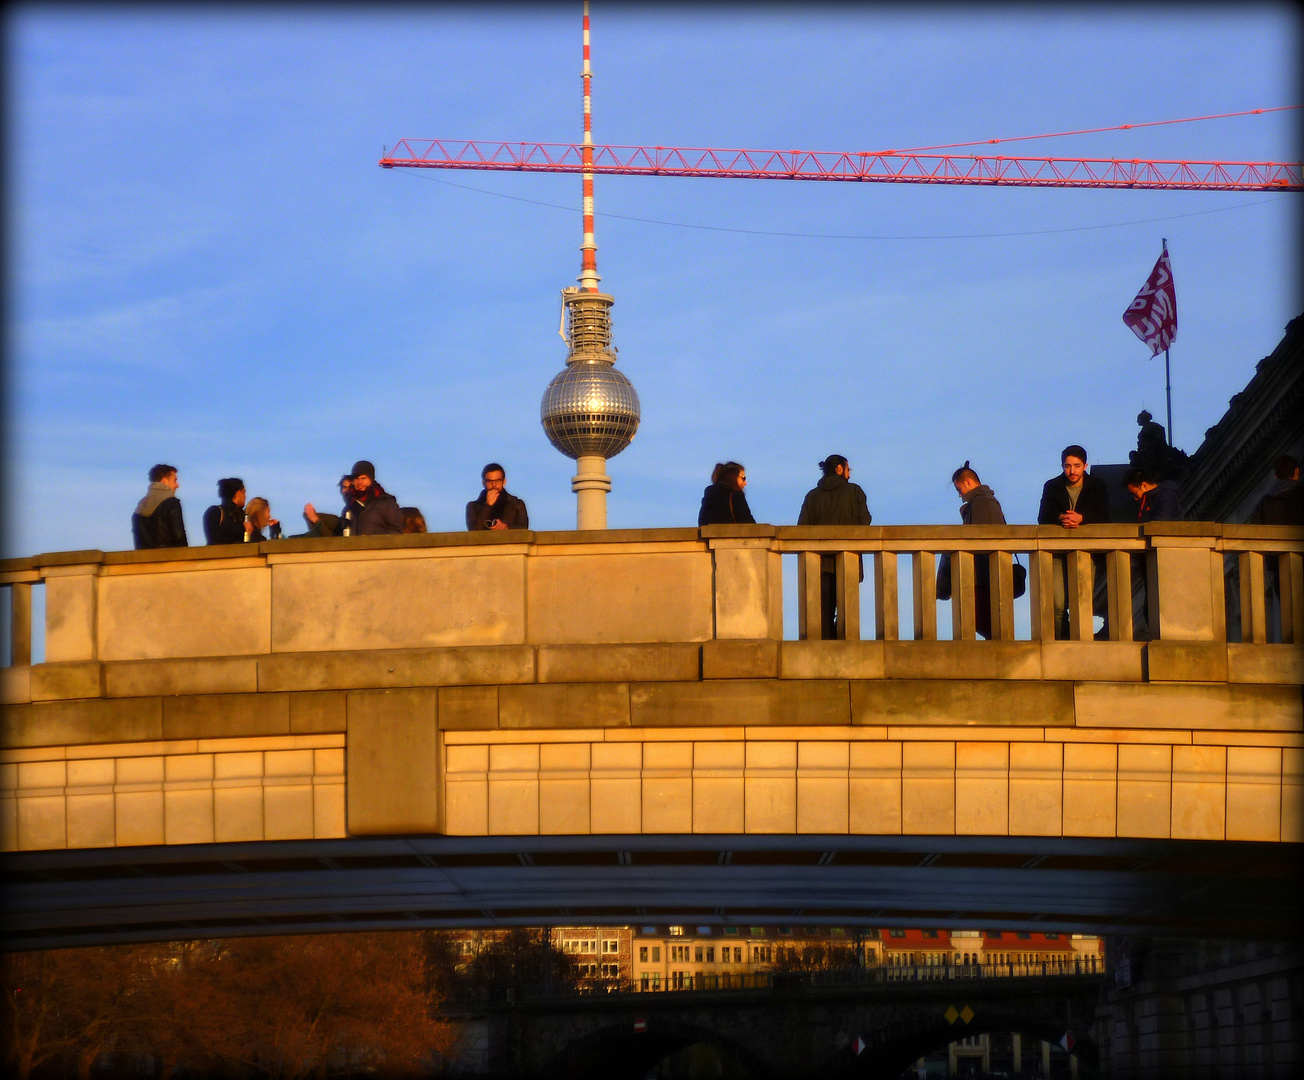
(879, 167)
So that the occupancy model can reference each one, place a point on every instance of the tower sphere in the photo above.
(590, 408)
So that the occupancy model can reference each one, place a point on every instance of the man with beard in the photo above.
(371, 510)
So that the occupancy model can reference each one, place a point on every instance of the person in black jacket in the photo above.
(724, 501)
(371, 510)
(157, 522)
(835, 500)
(1284, 502)
(1072, 499)
(496, 507)
(978, 506)
(225, 522)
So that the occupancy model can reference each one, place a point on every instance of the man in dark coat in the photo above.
(225, 522)
(1072, 499)
(157, 522)
(371, 510)
(496, 507)
(978, 506)
(835, 500)
(1284, 502)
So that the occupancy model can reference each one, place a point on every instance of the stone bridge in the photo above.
(527, 727)
(798, 1032)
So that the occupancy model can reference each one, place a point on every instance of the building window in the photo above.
(656, 980)
(643, 981)
(1052, 937)
(930, 933)
(731, 930)
(656, 954)
(1023, 935)
(786, 931)
(610, 971)
(610, 945)
(676, 931)
(738, 955)
(897, 933)
(757, 931)
(697, 953)
(710, 954)
(839, 931)
(642, 954)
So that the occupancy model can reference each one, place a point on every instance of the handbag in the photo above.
(1020, 573)
(1020, 578)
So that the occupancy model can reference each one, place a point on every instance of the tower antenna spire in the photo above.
(589, 249)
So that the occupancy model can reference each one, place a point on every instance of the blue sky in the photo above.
(206, 266)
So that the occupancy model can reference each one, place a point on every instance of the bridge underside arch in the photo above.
(1108, 886)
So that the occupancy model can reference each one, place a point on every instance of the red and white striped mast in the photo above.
(590, 411)
(589, 249)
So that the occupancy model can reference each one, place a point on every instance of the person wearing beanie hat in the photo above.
(371, 510)
(225, 522)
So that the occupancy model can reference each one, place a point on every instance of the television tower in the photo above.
(590, 411)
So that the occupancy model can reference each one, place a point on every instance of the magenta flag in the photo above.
(1153, 314)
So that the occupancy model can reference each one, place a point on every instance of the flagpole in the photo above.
(1168, 380)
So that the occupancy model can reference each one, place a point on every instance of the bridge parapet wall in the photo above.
(639, 682)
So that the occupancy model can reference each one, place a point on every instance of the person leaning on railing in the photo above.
(157, 522)
(1072, 499)
(835, 500)
(724, 502)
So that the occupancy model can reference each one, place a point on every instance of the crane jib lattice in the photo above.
(880, 166)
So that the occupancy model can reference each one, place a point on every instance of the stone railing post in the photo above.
(71, 612)
(1184, 571)
(748, 573)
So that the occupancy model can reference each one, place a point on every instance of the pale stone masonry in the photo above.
(637, 682)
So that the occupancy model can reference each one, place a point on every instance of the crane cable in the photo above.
(841, 236)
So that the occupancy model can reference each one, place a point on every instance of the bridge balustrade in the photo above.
(524, 683)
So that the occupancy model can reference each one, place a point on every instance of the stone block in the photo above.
(831, 660)
(962, 659)
(1090, 789)
(874, 788)
(238, 813)
(1279, 664)
(1187, 661)
(90, 820)
(96, 773)
(75, 679)
(615, 597)
(755, 659)
(467, 790)
(70, 614)
(468, 708)
(288, 812)
(392, 754)
(667, 796)
(748, 592)
(8, 823)
(1199, 792)
(1190, 706)
(15, 685)
(1292, 796)
(240, 765)
(138, 817)
(341, 670)
(615, 787)
(928, 788)
(132, 772)
(210, 716)
(564, 705)
(823, 788)
(45, 777)
(1145, 774)
(1093, 661)
(328, 810)
(42, 823)
(328, 761)
(398, 603)
(184, 613)
(707, 704)
(770, 787)
(514, 789)
(814, 703)
(317, 712)
(287, 765)
(563, 788)
(188, 816)
(211, 675)
(1254, 793)
(718, 793)
(656, 662)
(982, 788)
(94, 720)
(961, 703)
